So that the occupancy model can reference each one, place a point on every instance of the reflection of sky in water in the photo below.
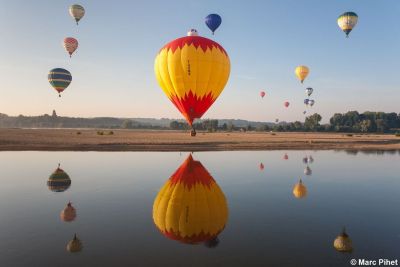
(113, 194)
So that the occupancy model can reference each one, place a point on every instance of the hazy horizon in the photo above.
(113, 67)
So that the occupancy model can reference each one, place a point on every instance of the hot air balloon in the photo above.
(307, 171)
(77, 12)
(68, 214)
(347, 21)
(286, 157)
(311, 102)
(70, 45)
(299, 190)
(262, 94)
(301, 72)
(60, 79)
(261, 166)
(213, 21)
(190, 207)
(192, 32)
(304, 112)
(306, 101)
(192, 71)
(59, 180)
(75, 245)
(343, 242)
(309, 91)
(276, 120)
(310, 159)
(286, 104)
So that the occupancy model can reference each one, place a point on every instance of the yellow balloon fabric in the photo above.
(190, 207)
(301, 72)
(299, 190)
(192, 71)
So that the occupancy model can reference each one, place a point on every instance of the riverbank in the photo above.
(141, 140)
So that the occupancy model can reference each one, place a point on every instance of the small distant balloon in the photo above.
(343, 243)
(307, 171)
(299, 190)
(306, 101)
(77, 12)
(286, 104)
(213, 21)
(261, 166)
(347, 21)
(304, 112)
(192, 32)
(309, 91)
(302, 72)
(286, 157)
(262, 94)
(70, 45)
(311, 102)
(276, 120)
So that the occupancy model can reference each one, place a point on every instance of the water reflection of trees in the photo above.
(371, 152)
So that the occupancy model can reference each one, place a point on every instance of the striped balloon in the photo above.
(347, 21)
(77, 12)
(70, 45)
(60, 79)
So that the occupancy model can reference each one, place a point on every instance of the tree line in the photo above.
(352, 121)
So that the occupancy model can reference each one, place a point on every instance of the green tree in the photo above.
(312, 122)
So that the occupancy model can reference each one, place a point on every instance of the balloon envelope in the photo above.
(213, 21)
(70, 45)
(190, 207)
(299, 190)
(59, 78)
(286, 104)
(262, 94)
(59, 181)
(309, 91)
(301, 72)
(77, 12)
(192, 71)
(347, 21)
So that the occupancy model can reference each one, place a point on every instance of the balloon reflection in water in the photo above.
(59, 180)
(75, 245)
(307, 171)
(191, 207)
(286, 157)
(299, 190)
(343, 242)
(261, 166)
(68, 214)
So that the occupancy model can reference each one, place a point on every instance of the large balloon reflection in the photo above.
(343, 242)
(75, 245)
(191, 207)
(59, 180)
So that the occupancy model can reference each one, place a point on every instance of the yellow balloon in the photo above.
(301, 72)
(190, 207)
(299, 190)
(192, 71)
(343, 242)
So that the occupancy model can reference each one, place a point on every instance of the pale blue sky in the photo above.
(113, 67)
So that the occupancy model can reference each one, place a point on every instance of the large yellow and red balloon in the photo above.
(192, 71)
(190, 207)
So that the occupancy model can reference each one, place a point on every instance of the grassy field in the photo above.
(134, 140)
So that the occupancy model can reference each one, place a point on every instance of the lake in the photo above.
(244, 209)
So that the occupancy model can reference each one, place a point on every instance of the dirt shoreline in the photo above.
(142, 140)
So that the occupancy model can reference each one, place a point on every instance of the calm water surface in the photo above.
(267, 225)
